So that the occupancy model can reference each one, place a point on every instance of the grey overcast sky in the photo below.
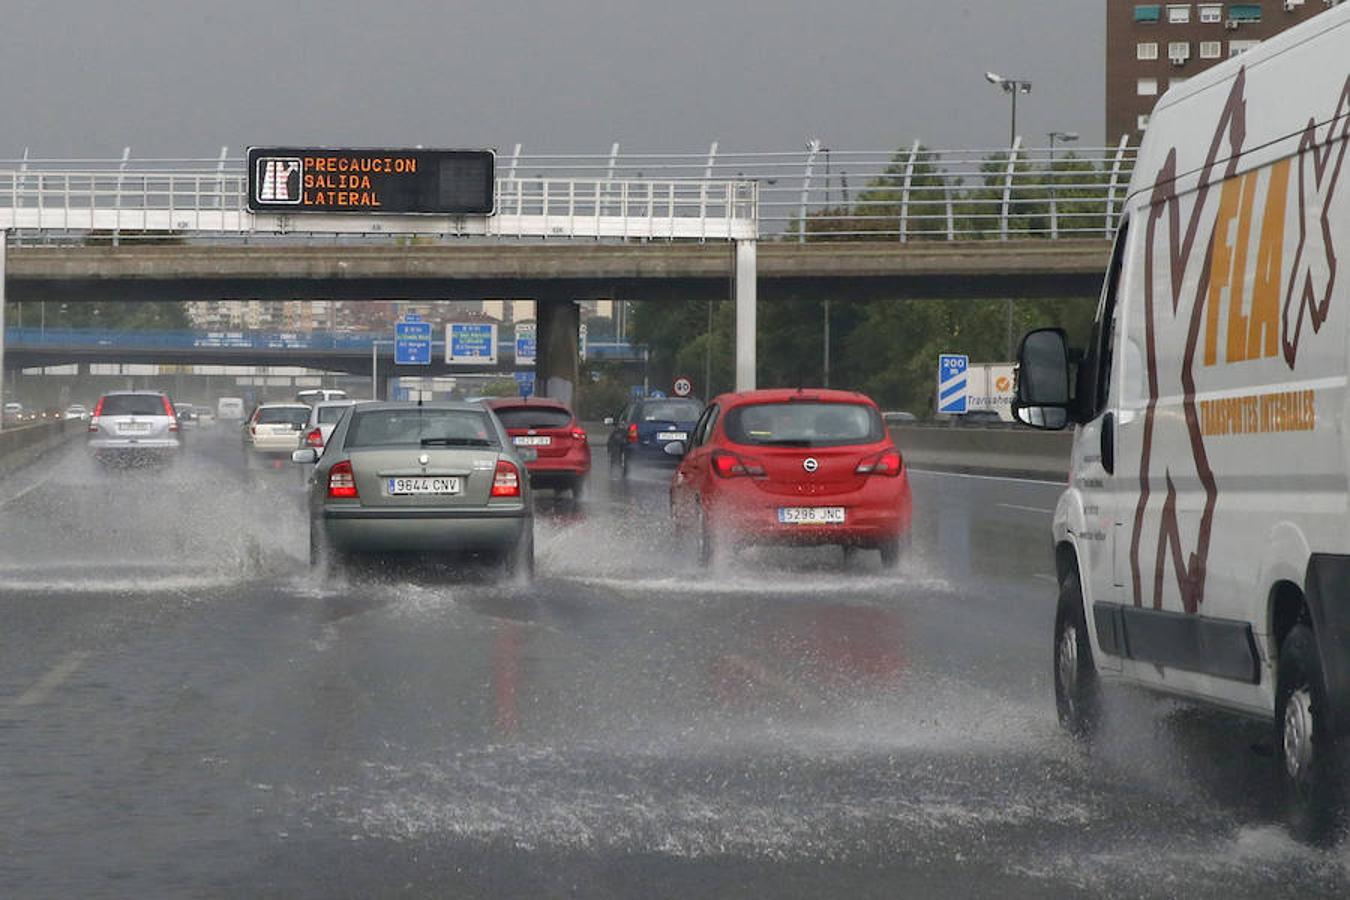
(87, 77)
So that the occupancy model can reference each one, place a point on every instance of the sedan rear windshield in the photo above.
(133, 405)
(804, 424)
(330, 414)
(533, 416)
(420, 427)
(671, 411)
(285, 415)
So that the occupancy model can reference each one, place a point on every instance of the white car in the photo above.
(324, 416)
(76, 411)
(273, 433)
(1202, 544)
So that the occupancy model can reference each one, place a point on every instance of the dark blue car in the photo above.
(642, 431)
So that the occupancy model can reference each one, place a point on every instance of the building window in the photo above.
(1148, 12)
(1237, 47)
(1142, 122)
(1179, 15)
(1179, 50)
(1147, 50)
(1146, 87)
(1211, 12)
(1211, 49)
(1244, 12)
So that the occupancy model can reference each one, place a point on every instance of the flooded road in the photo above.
(186, 711)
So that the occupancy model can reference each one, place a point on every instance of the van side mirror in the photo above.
(609, 420)
(1041, 395)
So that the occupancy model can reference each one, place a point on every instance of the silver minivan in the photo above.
(134, 427)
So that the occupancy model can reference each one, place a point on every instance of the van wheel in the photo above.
(1077, 691)
(1303, 734)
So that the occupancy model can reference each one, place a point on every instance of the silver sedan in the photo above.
(436, 478)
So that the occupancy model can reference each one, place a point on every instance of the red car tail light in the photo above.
(506, 483)
(579, 435)
(341, 481)
(314, 439)
(98, 407)
(632, 433)
(887, 463)
(729, 465)
(168, 411)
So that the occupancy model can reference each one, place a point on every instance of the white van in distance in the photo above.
(1203, 541)
(230, 409)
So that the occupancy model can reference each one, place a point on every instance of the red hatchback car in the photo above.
(793, 466)
(550, 429)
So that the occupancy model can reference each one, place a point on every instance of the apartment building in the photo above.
(1153, 46)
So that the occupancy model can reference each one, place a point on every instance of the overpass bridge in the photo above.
(1004, 223)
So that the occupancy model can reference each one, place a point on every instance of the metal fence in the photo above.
(810, 195)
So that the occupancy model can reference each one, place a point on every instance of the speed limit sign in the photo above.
(683, 387)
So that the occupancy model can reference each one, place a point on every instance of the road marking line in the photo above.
(55, 677)
(1035, 509)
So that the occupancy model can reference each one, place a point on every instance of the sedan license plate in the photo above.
(811, 515)
(672, 435)
(404, 487)
(531, 440)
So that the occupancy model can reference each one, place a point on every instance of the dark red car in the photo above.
(793, 466)
(550, 429)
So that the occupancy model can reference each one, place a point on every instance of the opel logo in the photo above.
(810, 464)
(424, 459)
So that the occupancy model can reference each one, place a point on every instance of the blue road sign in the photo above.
(471, 342)
(412, 342)
(527, 346)
(525, 381)
(953, 377)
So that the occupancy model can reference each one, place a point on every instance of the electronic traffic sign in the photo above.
(322, 180)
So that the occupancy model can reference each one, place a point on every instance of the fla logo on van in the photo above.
(1242, 269)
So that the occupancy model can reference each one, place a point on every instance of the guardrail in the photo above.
(818, 193)
(1016, 452)
(21, 444)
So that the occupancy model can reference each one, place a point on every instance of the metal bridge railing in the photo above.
(812, 195)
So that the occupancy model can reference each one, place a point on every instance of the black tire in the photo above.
(578, 487)
(519, 560)
(1306, 746)
(706, 538)
(894, 550)
(1077, 689)
(623, 466)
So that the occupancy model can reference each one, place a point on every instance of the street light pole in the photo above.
(1012, 87)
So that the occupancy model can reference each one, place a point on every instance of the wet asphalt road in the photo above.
(185, 711)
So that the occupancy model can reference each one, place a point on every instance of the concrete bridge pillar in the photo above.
(557, 364)
(746, 314)
(4, 235)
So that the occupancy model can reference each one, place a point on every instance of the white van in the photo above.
(1203, 541)
(230, 408)
(319, 395)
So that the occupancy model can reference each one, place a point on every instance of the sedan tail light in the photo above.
(314, 439)
(887, 463)
(341, 481)
(729, 465)
(506, 483)
(632, 433)
(579, 435)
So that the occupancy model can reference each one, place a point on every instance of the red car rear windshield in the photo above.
(533, 416)
(133, 405)
(804, 424)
